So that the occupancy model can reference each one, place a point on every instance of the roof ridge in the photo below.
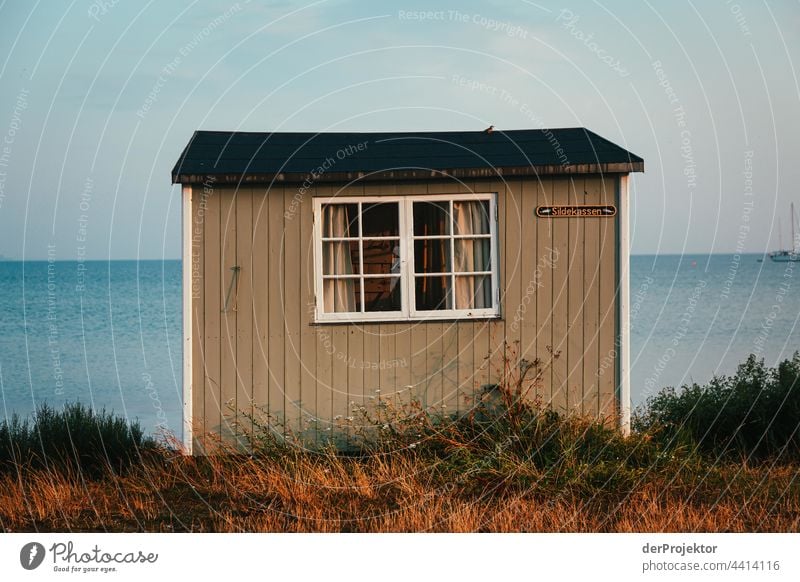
(471, 153)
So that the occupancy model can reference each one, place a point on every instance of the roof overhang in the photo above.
(412, 174)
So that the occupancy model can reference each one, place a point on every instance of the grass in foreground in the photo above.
(399, 493)
(508, 466)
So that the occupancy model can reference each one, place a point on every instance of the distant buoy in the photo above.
(694, 263)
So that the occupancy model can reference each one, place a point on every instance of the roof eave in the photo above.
(411, 174)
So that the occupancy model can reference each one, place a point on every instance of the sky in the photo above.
(98, 98)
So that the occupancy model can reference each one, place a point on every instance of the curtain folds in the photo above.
(472, 292)
(339, 294)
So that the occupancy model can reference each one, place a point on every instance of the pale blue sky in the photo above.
(80, 136)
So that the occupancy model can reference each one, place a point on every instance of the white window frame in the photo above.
(408, 310)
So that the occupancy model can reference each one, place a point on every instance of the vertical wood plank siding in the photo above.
(308, 348)
(228, 297)
(560, 298)
(260, 264)
(609, 290)
(591, 306)
(265, 356)
(546, 259)
(244, 313)
(276, 318)
(576, 295)
(200, 202)
(293, 271)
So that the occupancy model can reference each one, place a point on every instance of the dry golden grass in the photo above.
(508, 465)
(400, 492)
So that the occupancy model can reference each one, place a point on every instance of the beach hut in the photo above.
(325, 271)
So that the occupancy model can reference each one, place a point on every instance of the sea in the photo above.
(108, 333)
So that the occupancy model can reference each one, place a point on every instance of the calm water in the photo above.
(694, 316)
(109, 333)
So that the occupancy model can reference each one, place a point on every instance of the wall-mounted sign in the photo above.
(577, 211)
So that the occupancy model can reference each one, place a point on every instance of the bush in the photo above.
(753, 414)
(74, 438)
(505, 440)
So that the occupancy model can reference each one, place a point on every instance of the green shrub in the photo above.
(753, 414)
(504, 440)
(73, 438)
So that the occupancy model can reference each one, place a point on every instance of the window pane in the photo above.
(382, 294)
(472, 254)
(339, 220)
(381, 219)
(341, 295)
(431, 218)
(433, 293)
(432, 256)
(471, 217)
(382, 257)
(340, 258)
(473, 292)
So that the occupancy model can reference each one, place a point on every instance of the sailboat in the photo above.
(784, 255)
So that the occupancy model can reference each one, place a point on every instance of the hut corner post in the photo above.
(624, 307)
(186, 263)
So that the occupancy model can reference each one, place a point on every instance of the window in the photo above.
(410, 257)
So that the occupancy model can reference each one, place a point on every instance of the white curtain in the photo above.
(338, 294)
(471, 255)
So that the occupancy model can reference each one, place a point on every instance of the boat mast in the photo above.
(794, 248)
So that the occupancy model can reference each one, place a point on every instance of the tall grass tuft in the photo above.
(754, 414)
(72, 438)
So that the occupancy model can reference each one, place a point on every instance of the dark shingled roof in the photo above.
(232, 157)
